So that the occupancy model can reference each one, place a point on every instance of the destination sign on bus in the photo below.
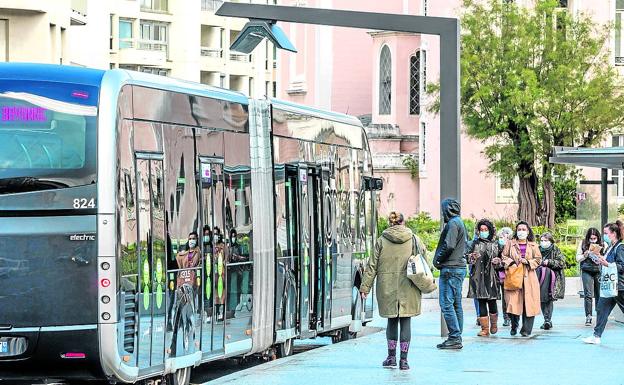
(22, 114)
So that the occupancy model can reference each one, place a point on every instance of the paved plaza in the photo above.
(556, 356)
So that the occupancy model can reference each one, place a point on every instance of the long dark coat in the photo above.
(483, 283)
(555, 263)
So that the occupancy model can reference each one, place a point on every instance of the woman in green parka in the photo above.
(551, 277)
(398, 298)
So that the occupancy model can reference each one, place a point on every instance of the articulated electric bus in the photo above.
(150, 225)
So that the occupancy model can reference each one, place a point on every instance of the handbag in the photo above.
(514, 277)
(418, 271)
(608, 281)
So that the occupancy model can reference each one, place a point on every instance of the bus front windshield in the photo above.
(47, 135)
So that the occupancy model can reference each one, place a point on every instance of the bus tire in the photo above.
(285, 349)
(181, 376)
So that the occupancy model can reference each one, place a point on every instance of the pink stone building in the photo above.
(381, 77)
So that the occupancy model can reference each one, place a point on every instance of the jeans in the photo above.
(451, 280)
(591, 289)
(604, 309)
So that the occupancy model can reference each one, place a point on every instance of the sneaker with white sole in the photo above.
(592, 340)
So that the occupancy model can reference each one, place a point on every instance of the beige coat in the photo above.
(530, 293)
(396, 295)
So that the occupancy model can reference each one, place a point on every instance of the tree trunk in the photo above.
(528, 200)
(548, 209)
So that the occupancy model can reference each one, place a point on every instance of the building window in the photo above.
(619, 47)
(385, 81)
(507, 189)
(423, 147)
(4, 40)
(125, 33)
(617, 176)
(153, 36)
(222, 80)
(251, 86)
(274, 89)
(418, 81)
(154, 5)
(424, 7)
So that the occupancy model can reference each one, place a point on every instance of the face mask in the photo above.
(522, 234)
(192, 243)
(215, 238)
(233, 239)
(206, 238)
(545, 244)
(501, 242)
(484, 234)
(606, 238)
(593, 241)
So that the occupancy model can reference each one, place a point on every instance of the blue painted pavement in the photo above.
(557, 356)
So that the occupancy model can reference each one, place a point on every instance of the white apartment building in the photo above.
(37, 31)
(186, 40)
(178, 38)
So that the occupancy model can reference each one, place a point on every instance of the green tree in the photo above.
(532, 79)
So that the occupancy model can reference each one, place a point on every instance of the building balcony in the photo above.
(382, 131)
(211, 52)
(240, 57)
(135, 51)
(211, 59)
(388, 162)
(211, 5)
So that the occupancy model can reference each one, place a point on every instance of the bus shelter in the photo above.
(603, 158)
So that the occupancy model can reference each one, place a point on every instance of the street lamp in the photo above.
(255, 31)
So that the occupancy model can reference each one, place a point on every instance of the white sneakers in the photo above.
(592, 340)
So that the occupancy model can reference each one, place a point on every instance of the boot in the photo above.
(506, 319)
(493, 323)
(390, 361)
(404, 350)
(485, 327)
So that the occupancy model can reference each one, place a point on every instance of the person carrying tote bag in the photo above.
(614, 258)
(587, 254)
(522, 255)
(398, 298)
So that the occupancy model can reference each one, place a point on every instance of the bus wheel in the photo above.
(285, 349)
(180, 377)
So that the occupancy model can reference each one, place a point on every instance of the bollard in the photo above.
(443, 329)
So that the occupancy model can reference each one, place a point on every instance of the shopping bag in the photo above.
(514, 277)
(608, 281)
(420, 274)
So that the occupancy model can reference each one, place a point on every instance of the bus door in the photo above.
(151, 249)
(320, 220)
(303, 264)
(214, 251)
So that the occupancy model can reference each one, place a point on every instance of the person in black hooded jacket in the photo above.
(449, 259)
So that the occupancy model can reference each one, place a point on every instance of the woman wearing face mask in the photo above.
(551, 277)
(615, 254)
(187, 259)
(483, 284)
(521, 250)
(590, 270)
(504, 235)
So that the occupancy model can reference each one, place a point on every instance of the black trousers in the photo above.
(392, 331)
(486, 305)
(547, 310)
(527, 322)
